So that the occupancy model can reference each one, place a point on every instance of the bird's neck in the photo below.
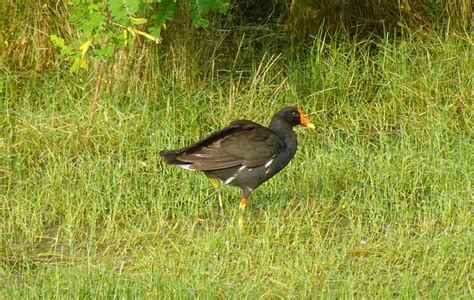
(284, 131)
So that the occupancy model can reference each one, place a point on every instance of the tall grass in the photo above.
(307, 17)
(26, 26)
(377, 202)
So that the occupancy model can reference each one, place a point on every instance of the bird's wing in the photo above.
(241, 143)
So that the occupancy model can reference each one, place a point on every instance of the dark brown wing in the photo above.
(241, 143)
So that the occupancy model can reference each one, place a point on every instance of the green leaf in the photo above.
(118, 11)
(75, 65)
(93, 22)
(122, 10)
(107, 51)
(201, 8)
(165, 13)
(133, 6)
(59, 42)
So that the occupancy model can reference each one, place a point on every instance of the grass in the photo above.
(377, 203)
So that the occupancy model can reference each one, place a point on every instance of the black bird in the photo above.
(244, 154)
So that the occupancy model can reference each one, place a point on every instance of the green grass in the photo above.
(377, 203)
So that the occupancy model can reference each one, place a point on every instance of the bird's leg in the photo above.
(217, 185)
(243, 204)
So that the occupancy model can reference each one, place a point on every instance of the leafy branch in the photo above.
(104, 25)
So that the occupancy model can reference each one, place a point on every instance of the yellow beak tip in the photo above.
(311, 125)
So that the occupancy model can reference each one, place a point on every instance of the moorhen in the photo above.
(244, 154)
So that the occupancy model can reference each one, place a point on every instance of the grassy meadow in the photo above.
(377, 203)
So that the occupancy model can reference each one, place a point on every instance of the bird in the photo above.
(244, 154)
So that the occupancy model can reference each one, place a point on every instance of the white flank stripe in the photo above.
(267, 171)
(229, 180)
(268, 163)
(187, 167)
(241, 169)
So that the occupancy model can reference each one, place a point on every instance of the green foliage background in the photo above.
(377, 203)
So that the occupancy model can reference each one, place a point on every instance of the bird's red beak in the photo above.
(305, 121)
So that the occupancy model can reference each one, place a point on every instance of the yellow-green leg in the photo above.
(217, 185)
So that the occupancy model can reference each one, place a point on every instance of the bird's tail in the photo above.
(170, 157)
